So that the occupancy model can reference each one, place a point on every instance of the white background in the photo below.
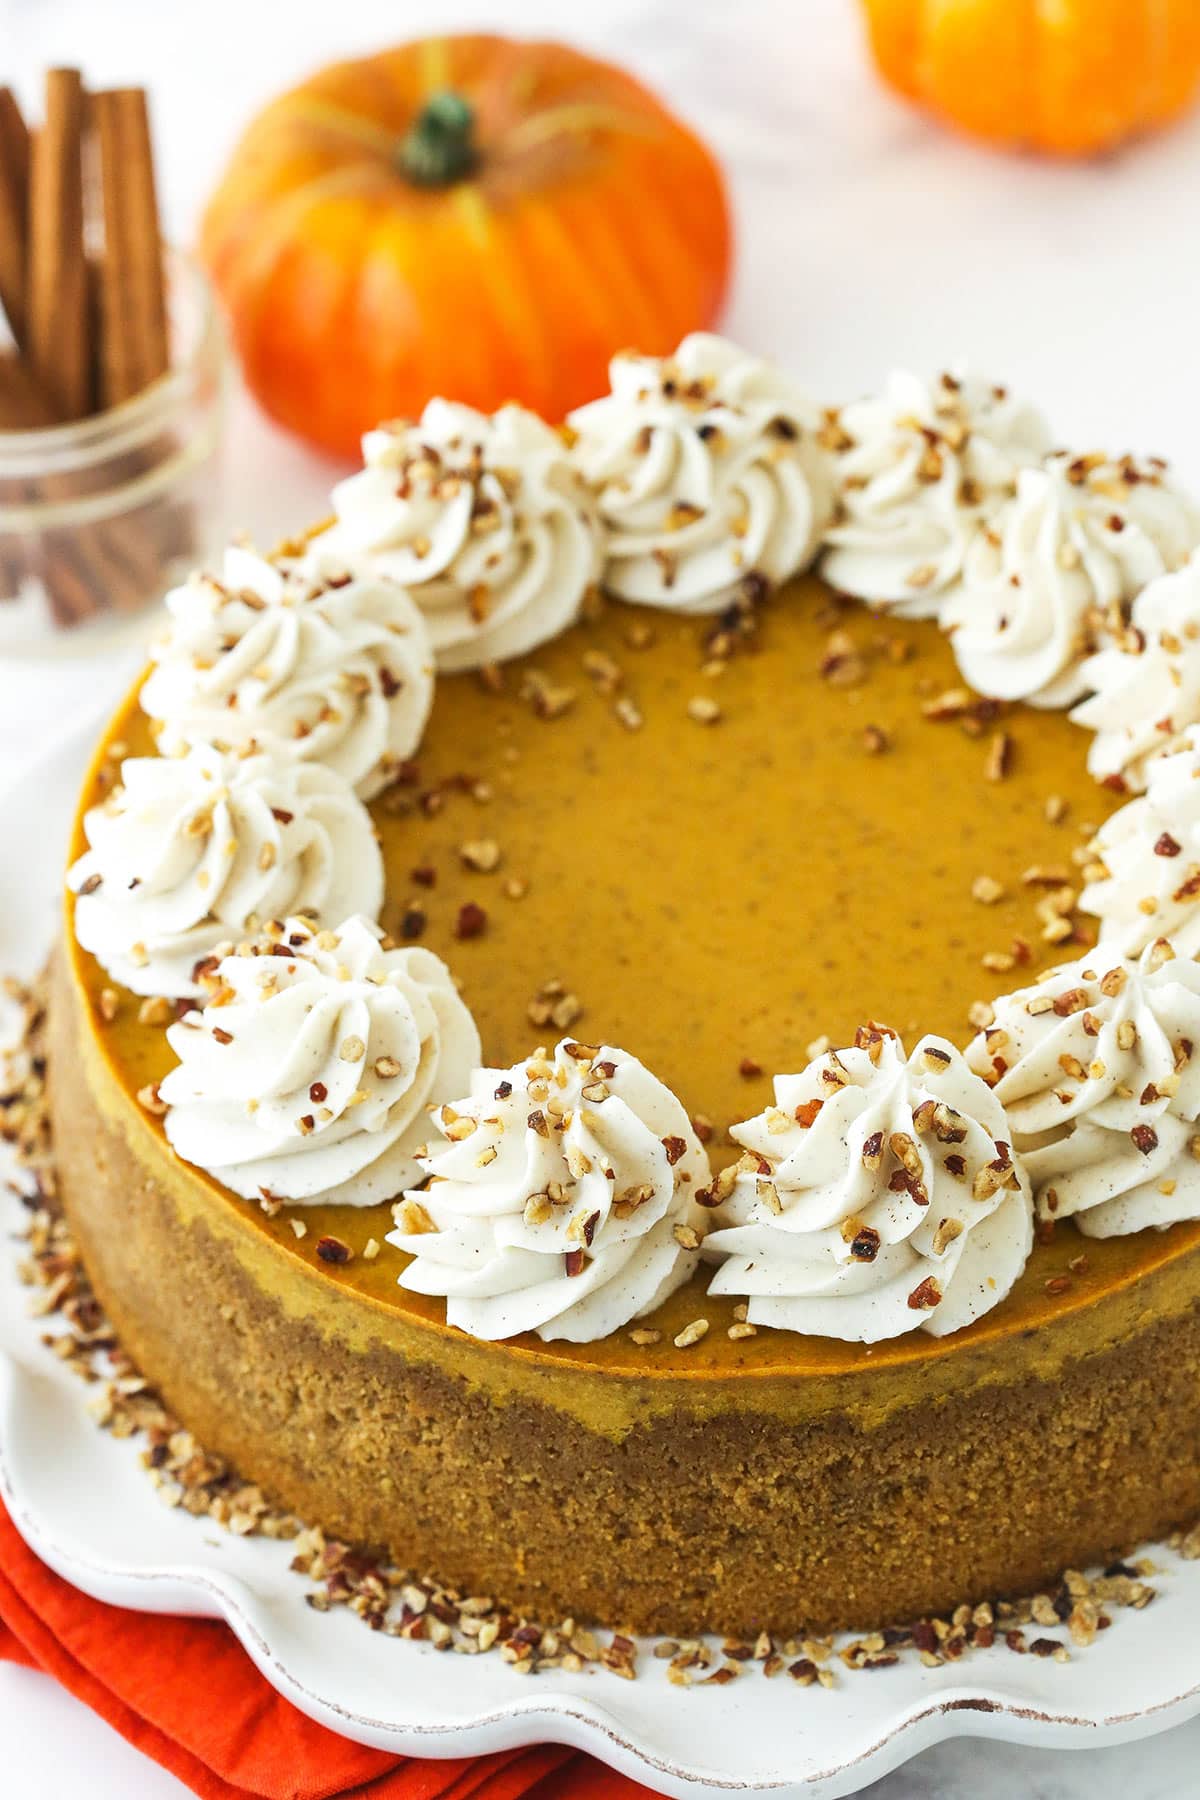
(867, 238)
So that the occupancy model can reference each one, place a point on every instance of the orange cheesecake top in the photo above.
(712, 849)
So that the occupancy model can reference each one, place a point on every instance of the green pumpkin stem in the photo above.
(440, 148)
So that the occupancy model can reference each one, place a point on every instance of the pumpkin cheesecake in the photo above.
(603, 1066)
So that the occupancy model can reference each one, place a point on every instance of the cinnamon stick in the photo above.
(134, 329)
(23, 405)
(134, 349)
(111, 567)
(13, 267)
(14, 212)
(57, 290)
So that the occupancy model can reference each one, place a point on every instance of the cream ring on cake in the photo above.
(918, 467)
(1097, 1068)
(1144, 686)
(1051, 574)
(308, 1075)
(332, 670)
(710, 476)
(482, 518)
(1143, 880)
(563, 1202)
(190, 852)
(878, 1194)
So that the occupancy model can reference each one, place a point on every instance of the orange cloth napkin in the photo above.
(185, 1693)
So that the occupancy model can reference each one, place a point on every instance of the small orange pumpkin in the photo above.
(469, 216)
(1072, 78)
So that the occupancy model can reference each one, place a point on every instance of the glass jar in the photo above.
(99, 517)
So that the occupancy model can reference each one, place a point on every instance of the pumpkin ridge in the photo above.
(602, 246)
(573, 118)
(548, 232)
(659, 253)
(309, 111)
(258, 254)
(445, 350)
(506, 281)
(435, 59)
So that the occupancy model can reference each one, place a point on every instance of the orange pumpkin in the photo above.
(1072, 78)
(468, 216)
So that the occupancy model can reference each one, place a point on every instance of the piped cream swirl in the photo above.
(562, 1202)
(1051, 575)
(709, 475)
(483, 519)
(1145, 683)
(1098, 1069)
(878, 1195)
(337, 672)
(308, 1075)
(920, 465)
(1144, 880)
(192, 851)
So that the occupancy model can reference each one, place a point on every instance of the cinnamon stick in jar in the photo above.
(57, 328)
(70, 564)
(134, 347)
(23, 405)
(14, 226)
(14, 211)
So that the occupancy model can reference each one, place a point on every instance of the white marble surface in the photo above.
(867, 238)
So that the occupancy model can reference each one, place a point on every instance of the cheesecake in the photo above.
(593, 842)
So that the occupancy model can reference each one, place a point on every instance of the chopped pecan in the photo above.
(925, 1296)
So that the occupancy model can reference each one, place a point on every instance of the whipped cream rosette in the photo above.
(920, 465)
(1144, 878)
(562, 1202)
(309, 1074)
(878, 1195)
(483, 519)
(337, 672)
(709, 474)
(1145, 683)
(1051, 574)
(1097, 1068)
(192, 851)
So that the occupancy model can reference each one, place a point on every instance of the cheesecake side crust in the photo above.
(690, 1516)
